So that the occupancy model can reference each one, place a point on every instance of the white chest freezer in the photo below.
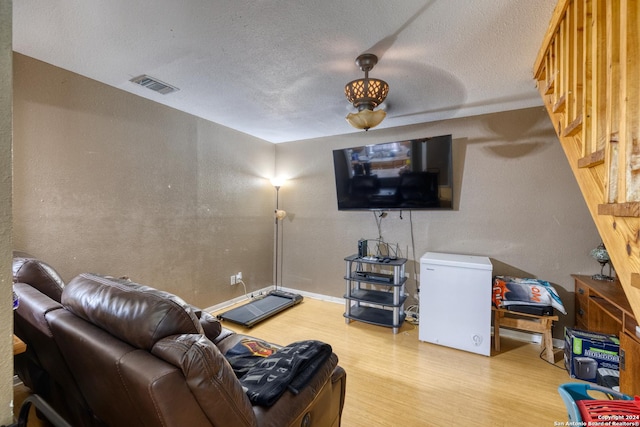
(455, 301)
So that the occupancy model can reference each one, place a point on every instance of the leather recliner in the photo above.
(124, 354)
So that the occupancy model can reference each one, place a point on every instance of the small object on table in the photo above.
(601, 255)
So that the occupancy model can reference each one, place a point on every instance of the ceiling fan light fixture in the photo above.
(366, 119)
(365, 95)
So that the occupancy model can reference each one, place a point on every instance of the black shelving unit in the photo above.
(375, 291)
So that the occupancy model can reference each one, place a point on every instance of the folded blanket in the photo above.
(246, 353)
(291, 367)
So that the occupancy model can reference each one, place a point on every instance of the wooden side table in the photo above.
(18, 346)
(526, 322)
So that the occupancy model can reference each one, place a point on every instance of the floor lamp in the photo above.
(276, 300)
(279, 216)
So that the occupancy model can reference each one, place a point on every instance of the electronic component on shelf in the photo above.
(370, 275)
(362, 248)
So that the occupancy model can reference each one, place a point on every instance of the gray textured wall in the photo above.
(516, 202)
(111, 183)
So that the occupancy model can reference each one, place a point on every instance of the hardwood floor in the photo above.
(396, 380)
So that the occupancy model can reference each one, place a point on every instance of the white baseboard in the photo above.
(312, 295)
(509, 333)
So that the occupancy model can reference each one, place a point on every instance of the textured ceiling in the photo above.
(276, 69)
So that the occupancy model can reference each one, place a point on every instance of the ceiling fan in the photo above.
(365, 95)
(368, 93)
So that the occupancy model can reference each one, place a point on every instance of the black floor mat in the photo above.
(259, 309)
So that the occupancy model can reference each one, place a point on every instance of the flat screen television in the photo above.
(402, 175)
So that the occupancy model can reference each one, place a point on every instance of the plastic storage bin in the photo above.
(576, 395)
(622, 412)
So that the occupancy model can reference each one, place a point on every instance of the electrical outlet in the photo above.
(232, 279)
(239, 276)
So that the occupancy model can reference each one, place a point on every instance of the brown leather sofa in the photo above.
(110, 352)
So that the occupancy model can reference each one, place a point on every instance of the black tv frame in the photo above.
(415, 174)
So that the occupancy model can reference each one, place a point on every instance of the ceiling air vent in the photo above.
(154, 84)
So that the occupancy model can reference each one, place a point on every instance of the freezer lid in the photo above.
(457, 260)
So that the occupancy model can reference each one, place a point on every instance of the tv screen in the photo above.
(412, 174)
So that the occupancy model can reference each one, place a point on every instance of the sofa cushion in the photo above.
(38, 274)
(137, 314)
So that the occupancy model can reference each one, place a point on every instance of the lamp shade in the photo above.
(600, 253)
(366, 93)
(277, 182)
(366, 119)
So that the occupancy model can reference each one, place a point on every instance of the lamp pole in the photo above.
(277, 235)
(279, 215)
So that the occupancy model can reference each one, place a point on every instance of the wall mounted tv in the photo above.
(403, 175)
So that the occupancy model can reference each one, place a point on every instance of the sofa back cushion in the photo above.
(136, 314)
(38, 274)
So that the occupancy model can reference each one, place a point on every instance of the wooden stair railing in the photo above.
(588, 75)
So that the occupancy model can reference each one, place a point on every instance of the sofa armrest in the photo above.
(210, 325)
(209, 377)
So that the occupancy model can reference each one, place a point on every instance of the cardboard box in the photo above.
(585, 352)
